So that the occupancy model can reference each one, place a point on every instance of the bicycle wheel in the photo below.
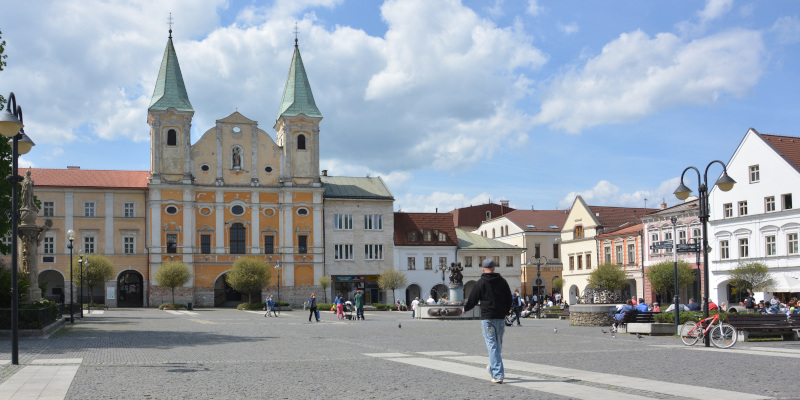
(689, 333)
(723, 336)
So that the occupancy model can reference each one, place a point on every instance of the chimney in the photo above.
(324, 172)
(73, 167)
(503, 206)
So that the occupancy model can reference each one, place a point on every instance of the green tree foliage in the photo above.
(248, 275)
(325, 283)
(608, 277)
(23, 283)
(172, 274)
(751, 277)
(558, 284)
(2, 64)
(662, 276)
(100, 270)
(5, 167)
(392, 279)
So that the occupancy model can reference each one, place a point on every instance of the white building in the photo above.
(756, 221)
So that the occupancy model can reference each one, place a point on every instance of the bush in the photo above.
(694, 316)
(324, 306)
(383, 307)
(251, 306)
(172, 306)
(281, 304)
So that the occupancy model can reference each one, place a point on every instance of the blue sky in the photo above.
(453, 103)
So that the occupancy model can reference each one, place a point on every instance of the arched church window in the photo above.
(172, 137)
(237, 236)
(301, 142)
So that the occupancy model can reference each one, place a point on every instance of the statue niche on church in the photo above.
(236, 156)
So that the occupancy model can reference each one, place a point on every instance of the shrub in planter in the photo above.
(282, 304)
(324, 306)
(172, 306)
(685, 316)
(250, 306)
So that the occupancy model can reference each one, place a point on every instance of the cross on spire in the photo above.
(170, 22)
(295, 34)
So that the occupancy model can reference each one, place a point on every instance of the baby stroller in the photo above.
(348, 310)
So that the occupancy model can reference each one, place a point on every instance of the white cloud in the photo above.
(788, 29)
(281, 9)
(636, 75)
(570, 28)
(534, 8)
(605, 193)
(714, 9)
(23, 162)
(441, 201)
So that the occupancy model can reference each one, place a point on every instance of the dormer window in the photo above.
(412, 237)
(427, 236)
(488, 215)
(301, 142)
(578, 233)
(172, 137)
(442, 237)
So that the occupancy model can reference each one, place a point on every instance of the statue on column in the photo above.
(27, 208)
(31, 237)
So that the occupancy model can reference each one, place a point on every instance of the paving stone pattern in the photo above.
(229, 354)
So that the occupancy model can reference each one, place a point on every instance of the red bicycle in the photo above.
(722, 335)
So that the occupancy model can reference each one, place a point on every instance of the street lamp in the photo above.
(442, 267)
(538, 282)
(83, 262)
(724, 183)
(674, 221)
(88, 292)
(71, 237)
(11, 126)
(278, 268)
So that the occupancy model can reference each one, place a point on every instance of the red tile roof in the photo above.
(89, 178)
(473, 216)
(635, 228)
(407, 222)
(786, 146)
(615, 218)
(541, 220)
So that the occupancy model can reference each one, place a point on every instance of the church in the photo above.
(235, 192)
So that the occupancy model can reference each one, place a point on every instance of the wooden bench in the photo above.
(564, 314)
(748, 324)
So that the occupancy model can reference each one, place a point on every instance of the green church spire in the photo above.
(297, 96)
(170, 90)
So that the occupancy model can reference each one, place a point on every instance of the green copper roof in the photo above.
(469, 240)
(170, 91)
(343, 187)
(297, 97)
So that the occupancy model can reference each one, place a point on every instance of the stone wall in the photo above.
(591, 314)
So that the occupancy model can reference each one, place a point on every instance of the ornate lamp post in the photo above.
(86, 277)
(11, 123)
(278, 268)
(724, 183)
(675, 301)
(539, 282)
(71, 237)
(443, 267)
(81, 261)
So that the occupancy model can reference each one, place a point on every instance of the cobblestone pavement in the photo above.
(227, 354)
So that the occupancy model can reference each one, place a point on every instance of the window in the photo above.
(791, 243)
(744, 248)
(48, 208)
(742, 208)
(171, 210)
(302, 244)
(571, 263)
(769, 203)
(172, 138)
(427, 236)
(442, 237)
(373, 252)
(696, 233)
(724, 252)
(301, 142)
(412, 237)
(631, 254)
(653, 240)
(373, 222)
(667, 236)
(588, 261)
(237, 210)
(467, 262)
(204, 167)
(343, 252)
(302, 211)
(755, 176)
(488, 215)
(172, 243)
(428, 262)
(580, 261)
(128, 245)
(509, 261)
(88, 209)
(88, 244)
(342, 222)
(769, 241)
(128, 210)
(480, 261)
(443, 261)
(607, 254)
(682, 237)
(555, 250)
(786, 199)
(205, 244)
(412, 263)
(269, 244)
(537, 251)
(727, 210)
(49, 245)
(496, 260)
(238, 238)
(578, 233)
(618, 250)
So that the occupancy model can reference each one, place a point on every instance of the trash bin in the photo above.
(189, 306)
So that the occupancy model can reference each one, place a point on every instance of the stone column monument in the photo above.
(31, 236)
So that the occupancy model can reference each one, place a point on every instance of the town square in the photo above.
(357, 199)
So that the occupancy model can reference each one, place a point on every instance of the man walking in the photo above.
(494, 295)
(516, 303)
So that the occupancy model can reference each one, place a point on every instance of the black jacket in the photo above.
(494, 295)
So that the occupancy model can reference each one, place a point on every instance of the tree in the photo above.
(5, 167)
(392, 279)
(100, 270)
(608, 277)
(558, 284)
(173, 274)
(662, 276)
(2, 64)
(5, 286)
(751, 277)
(248, 275)
(324, 283)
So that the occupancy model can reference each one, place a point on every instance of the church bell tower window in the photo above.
(301, 142)
(172, 138)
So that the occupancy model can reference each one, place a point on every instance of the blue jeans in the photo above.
(493, 330)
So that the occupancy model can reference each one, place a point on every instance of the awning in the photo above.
(785, 283)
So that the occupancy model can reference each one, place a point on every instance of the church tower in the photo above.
(298, 128)
(170, 119)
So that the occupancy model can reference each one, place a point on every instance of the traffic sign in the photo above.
(689, 248)
(664, 245)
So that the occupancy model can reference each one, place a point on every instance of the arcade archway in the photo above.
(130, 289)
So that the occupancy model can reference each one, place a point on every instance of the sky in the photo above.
(453, 103)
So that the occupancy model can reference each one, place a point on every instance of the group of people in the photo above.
(774, 306)
(339, 302)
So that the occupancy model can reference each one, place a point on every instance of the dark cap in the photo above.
(488, 263)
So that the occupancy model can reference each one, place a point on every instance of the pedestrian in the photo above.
(270, 306)
(414, 305)
(516, 304)
(340, 307)
(359, 305)
(312, 306)
(494, 296)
